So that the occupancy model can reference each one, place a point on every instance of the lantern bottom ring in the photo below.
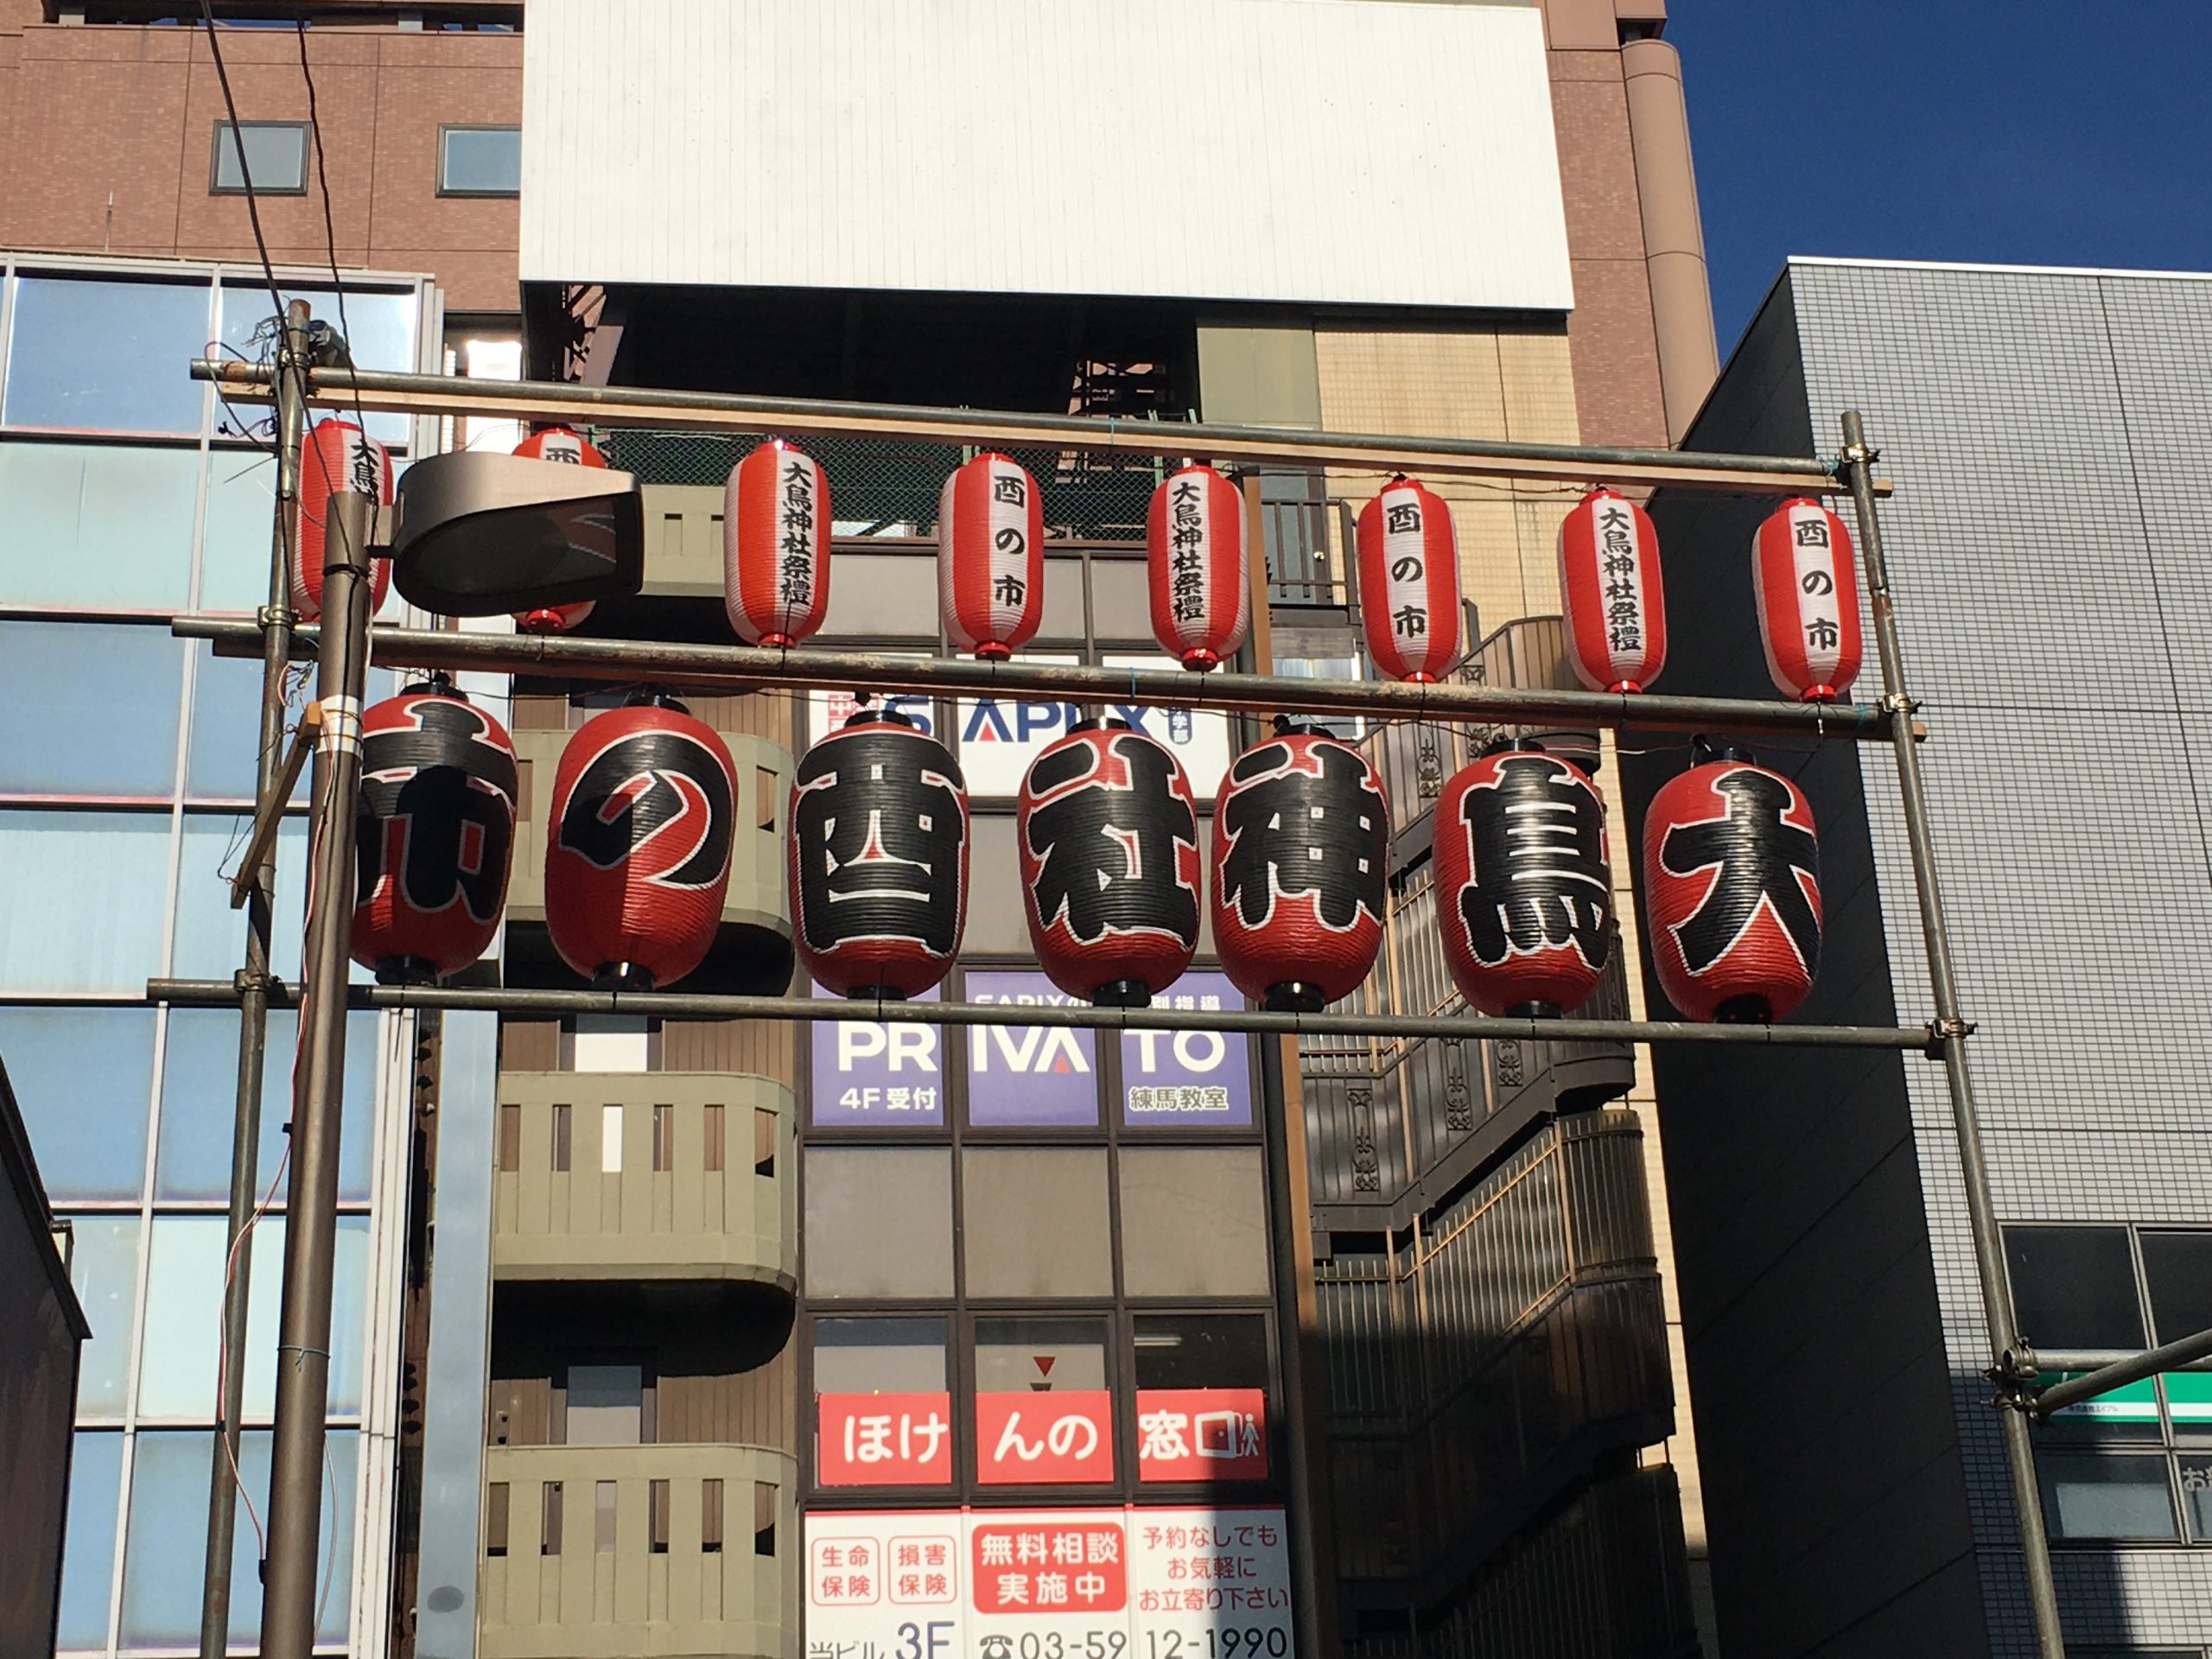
(1122, 994)
(1820, 693)
(1201, 661)
(1293, 996)
(1420, 676)
(1749, 1009)
(991, 651)
(1534, 1011)
(776, 642)
(1625, 687)
(621, 976)
(538, 621)
(406, 971)
(875, 993)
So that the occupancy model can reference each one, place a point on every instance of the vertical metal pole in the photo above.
(1951, 1032)
(295, 1474)
(253, 986)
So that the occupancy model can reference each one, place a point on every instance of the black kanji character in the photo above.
(878, 824)
(1110, 854)
(1282, 840)
(1759, 856)
(1536, 842)
(405, 805)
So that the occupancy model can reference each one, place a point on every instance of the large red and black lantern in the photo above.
(1409, 582)
(434, 834)
(337, 455)
(1609, 585)
(776, 545)
(566, 445)
(1524, 891)
(1731, 882)
(1194, 551)
(1108, 833)
(990, 556)
(1301, 839)
(637, 860)
(878, 858)
(1808, 586)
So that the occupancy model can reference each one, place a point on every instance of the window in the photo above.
(380, 328)
(609, 1042)
(200, 1099)
(82, 911)
(100, 526)
(95, 1474)
(2178, 1270)
(1044, 1409)
(1029, 1075)
(1193, 1221)
(879, 1222)
(2088, 1495)
(103, 1271)
(2074, 1286)
(1201, 1351)
(54, 678)
(84, 1078)
(882, 1407)
(106, 355)
(276, 158)
(1036, 1222)
(479, 160)
(605, 1405)
(210, 939)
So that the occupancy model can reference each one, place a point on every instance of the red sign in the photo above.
(1060, 1566)
(884, 1439)
(1043, 1438)
(1202, 1434)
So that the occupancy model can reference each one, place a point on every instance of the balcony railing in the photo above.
(602, 1552)
(645, 1176)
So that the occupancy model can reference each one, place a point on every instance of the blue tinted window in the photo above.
(379, 330)
(235, 536)
(82, 1078)
(165, 1557)
(105, 356)
(81, 897)
(55, 678)
(100, 527)
(226, 726)
(104, 1268)
(200, 1094)
(210, 935)
(480, 161)
(88, 1558)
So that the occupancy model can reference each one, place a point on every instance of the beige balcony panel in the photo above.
(683, 541)
(608, 1593)
(610, 1215)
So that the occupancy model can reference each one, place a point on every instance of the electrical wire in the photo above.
(330, 229)
(238, 143)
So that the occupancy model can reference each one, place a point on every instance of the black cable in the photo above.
(330, 229)
(245, 174)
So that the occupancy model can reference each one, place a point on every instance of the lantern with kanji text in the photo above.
(1808, 587)
(1409, 582)
(1610, 588)
(337, 455)
(561, 443)
(990, 556)
(776, 545)
(1194, 551)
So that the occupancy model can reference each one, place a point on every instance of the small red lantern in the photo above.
(1109, 838)
(776, 545)
(337, 455)
(990, 556)
(1194, 551)
(1732, 883)
(637, 863)
(1409, 582)
(1301, 841)
(878, 858)
(1524, 896)
(1808, 586)
(434, 834)
(1609, 587)
(561, 443)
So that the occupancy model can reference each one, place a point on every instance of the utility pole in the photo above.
(295, 1469)
(275, 621)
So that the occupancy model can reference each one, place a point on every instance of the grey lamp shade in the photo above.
(480, 535)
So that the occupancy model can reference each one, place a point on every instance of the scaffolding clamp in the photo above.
(1940, 1031)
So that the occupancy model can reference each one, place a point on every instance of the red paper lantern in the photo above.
(878, 858)
(337, 455)
(776, 545)
(561, 443)
(637, 863)
(1194, 551)
(1301, 842)
(1524, 895)
(1732, 885)
(1610, 588)
(1409, 582)
(990, 556)
(1108, 833)
(1808, 586)
(433, 834)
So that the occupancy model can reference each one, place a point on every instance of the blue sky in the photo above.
(2004, 132)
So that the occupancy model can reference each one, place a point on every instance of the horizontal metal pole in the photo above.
(689, 1005)
(1542, 463)
(727, 669)
(2173, 1357)
(2092, 1359)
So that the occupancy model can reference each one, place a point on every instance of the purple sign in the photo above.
(1187, 1079)
(1023, 1076)
(874, 1075)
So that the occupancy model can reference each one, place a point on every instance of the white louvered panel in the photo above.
(1350, 151)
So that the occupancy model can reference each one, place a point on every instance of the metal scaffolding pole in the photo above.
(295, 1465)
(275, 627)
(1949, 1031)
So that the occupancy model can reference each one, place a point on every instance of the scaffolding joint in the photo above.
(276, 616)
(2015, 1376)
(1941, 1032)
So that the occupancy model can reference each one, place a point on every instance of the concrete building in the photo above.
(2046, 433)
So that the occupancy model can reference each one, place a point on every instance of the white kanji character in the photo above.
(1051, 1589)
(1029, 1546)
(898, 1100)
(1014, 1588)
(1211, 1002)
(1067, 1548)
(1187, 1004)
(1163, 1436)
(926, 1100)
(1090, 1587)
(998, 1550)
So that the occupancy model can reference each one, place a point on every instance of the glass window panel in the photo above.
(275, 157)
(105, 355)
(1193, 1221)
(240, 519)
(55, 677)
(165, 1553)
(879, 1222)
(103, 1271)
(1035, 1222)
(1188, 1079)
(2177, 1268)
(380, 331)
(1029, 1075)
(879, 1355)
(2085, 1496)
(88, 1553)
(1201, 1351)
(200, 1096)
(184, 1299)
(2195, 1497)
(2074, 1286)
(479, 160)
(210, 939)
(82, 1078)
(106, 527)
(605, 1405)
(1022, 1355)
(81, 897)
(226, 729)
